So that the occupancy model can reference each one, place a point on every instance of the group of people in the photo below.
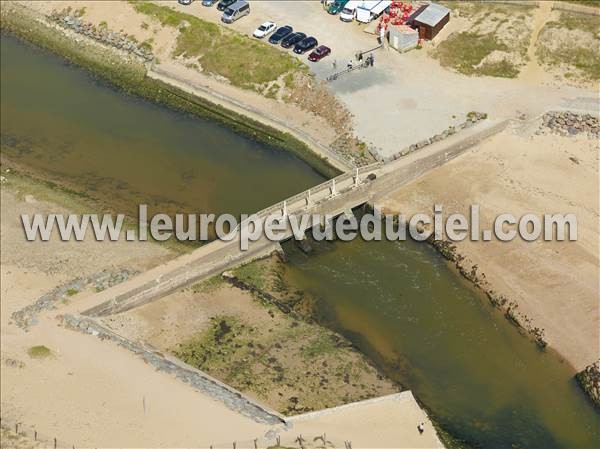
(370, 61)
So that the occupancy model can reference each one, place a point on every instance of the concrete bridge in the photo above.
(333, 197)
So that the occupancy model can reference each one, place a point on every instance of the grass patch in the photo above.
(592, 3)
(581, 53)
(244, 61)
(213, 347)
(39, 352)
(321, 345)
(463, 51)
(574, 21)
(208, 286)
(253, 273)
(72, 292)
(499, 69)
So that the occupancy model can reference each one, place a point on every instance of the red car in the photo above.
(319, 53)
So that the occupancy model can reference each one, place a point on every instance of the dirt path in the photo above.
(533, 72)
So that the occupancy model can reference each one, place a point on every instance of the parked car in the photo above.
(292, 39)
(208, 2)
(185, 2)
(264, 30)
(281, 32)
(236, 11)
(305, 44)
(319, 53)
(337, 6)
(224, 4)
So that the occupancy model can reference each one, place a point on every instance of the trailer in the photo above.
(370, 10)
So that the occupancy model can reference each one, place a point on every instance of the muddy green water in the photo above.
(124, 151)
(399, 303)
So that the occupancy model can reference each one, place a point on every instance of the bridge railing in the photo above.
(339, 184)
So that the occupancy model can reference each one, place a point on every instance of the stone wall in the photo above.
(199, 380)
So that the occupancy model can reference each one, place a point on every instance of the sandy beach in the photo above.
(554, 284)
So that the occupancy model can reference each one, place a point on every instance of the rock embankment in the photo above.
(589, 379)
(121, 41)
(199, 380)
(99, 281)
(570, 124)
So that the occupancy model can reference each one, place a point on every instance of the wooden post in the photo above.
(54, 442)
(234, 444)
(17, 428)
(255, 443)
(35, 435)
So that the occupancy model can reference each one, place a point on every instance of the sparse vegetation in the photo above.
(252, 273)
(39, 352)
(209, 286)
(496, 43)
(592, 3)
(571, 46)
(72, 292)
(283, 358)
(465, 52)
(245, 62)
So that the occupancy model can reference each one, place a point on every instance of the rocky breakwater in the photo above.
(121, 41)
(589, 379)
(567, 123)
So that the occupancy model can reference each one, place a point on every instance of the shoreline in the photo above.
(27, 422)
(131, 77)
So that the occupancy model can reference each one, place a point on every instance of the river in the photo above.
(426, 328)
(124, 151)
(399, 302)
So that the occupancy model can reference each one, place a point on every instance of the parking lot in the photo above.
(344, 39)
(404, 98)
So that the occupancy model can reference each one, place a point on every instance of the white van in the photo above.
(236, 11)
(347, 14)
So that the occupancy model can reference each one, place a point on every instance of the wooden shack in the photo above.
(429, 20)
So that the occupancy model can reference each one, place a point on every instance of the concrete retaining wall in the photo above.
(201, 381)
(186, 274)
(403, 171)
